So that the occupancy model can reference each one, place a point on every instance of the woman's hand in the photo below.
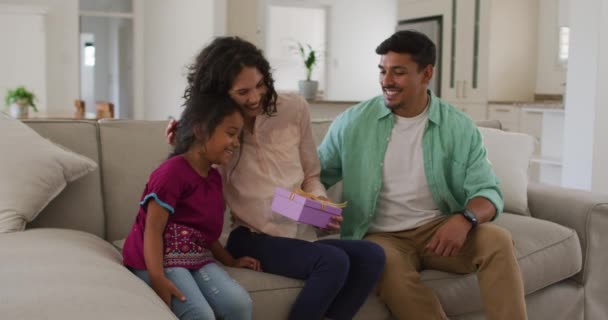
(248, 263)
(334, 224)
(165, 289)
(170, 131)
(335, 221)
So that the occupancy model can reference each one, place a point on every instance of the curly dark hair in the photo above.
(418, 45)
(202, 114)
(219, 63)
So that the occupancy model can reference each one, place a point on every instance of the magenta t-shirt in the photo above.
(196, 215)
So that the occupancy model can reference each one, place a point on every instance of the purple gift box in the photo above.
(303, 209)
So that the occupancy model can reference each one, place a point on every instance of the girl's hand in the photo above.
(170, 132)
(248, 262)
(165, 289)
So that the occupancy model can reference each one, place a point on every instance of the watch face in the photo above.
(470, 217)
(468, 214)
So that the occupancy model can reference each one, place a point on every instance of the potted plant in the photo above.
(19, 100)
(308, 88)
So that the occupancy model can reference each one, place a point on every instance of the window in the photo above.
(89, 54)
(564, 45)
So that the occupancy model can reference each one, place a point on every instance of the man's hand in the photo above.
(165, 289)
(248, 262)
(170, 132)
(450, 237)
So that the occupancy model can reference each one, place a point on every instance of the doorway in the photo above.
(106, 55)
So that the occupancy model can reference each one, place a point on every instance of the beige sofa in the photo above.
(65, 267)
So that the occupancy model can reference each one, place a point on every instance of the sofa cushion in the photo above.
(33, 172)
(547, 253)
(510, 153)
(130, 151)
(80, 205)
(66, 274)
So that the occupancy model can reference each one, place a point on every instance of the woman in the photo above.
(278, 151)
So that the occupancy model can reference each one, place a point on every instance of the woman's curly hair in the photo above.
(220, 62)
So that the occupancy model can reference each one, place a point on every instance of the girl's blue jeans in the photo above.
(210, 293)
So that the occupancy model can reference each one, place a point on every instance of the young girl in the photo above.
(278, 151)
(174, 240)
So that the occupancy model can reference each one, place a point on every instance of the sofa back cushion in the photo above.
(510, 153)
(130, 151)
(80, 205)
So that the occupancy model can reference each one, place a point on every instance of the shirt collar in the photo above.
(434, 112)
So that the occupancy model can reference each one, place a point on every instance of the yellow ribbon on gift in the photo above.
(316, 198)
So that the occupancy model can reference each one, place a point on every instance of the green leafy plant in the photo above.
(20, 95)
(309, 56)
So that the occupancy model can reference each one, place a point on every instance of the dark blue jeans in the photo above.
(339, 274)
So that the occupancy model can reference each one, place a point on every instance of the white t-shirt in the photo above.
(405, 201)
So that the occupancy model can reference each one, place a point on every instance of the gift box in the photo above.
(303, 208)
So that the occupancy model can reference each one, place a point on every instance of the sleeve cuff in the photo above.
(160, 202)
(493, 197)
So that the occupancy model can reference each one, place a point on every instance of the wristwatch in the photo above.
(471, 218)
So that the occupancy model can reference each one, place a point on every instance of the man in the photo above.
(418, 183)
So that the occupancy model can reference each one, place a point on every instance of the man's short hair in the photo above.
(414, 43)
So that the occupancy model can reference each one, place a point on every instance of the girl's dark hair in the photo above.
(216, 67)
(202, 115)
(418, 45)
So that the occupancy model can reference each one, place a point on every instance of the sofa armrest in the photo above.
(586, 213)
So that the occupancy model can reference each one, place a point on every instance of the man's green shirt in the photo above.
(455, 160)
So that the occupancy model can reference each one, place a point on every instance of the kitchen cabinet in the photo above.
(477, 111)
(531, 122)
(546, 124)
(485, 56)
(508, 115)
(462, 52)
(465, 77)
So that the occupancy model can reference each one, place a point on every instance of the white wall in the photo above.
(512, 52)
(284, 30)
(242, 20)
(173, 35)
(551, 76)
(585, 130)
(125, 58)
(23, 55)
(167, 38)
(106, 5)
(62, 55)
(220, 21)
(355, 29)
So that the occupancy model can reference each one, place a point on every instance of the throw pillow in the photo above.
(33, 171)
(510, 153)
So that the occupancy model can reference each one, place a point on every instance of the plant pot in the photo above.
(308, 89)
(19, 110)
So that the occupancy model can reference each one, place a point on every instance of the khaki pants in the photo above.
(487, 250)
